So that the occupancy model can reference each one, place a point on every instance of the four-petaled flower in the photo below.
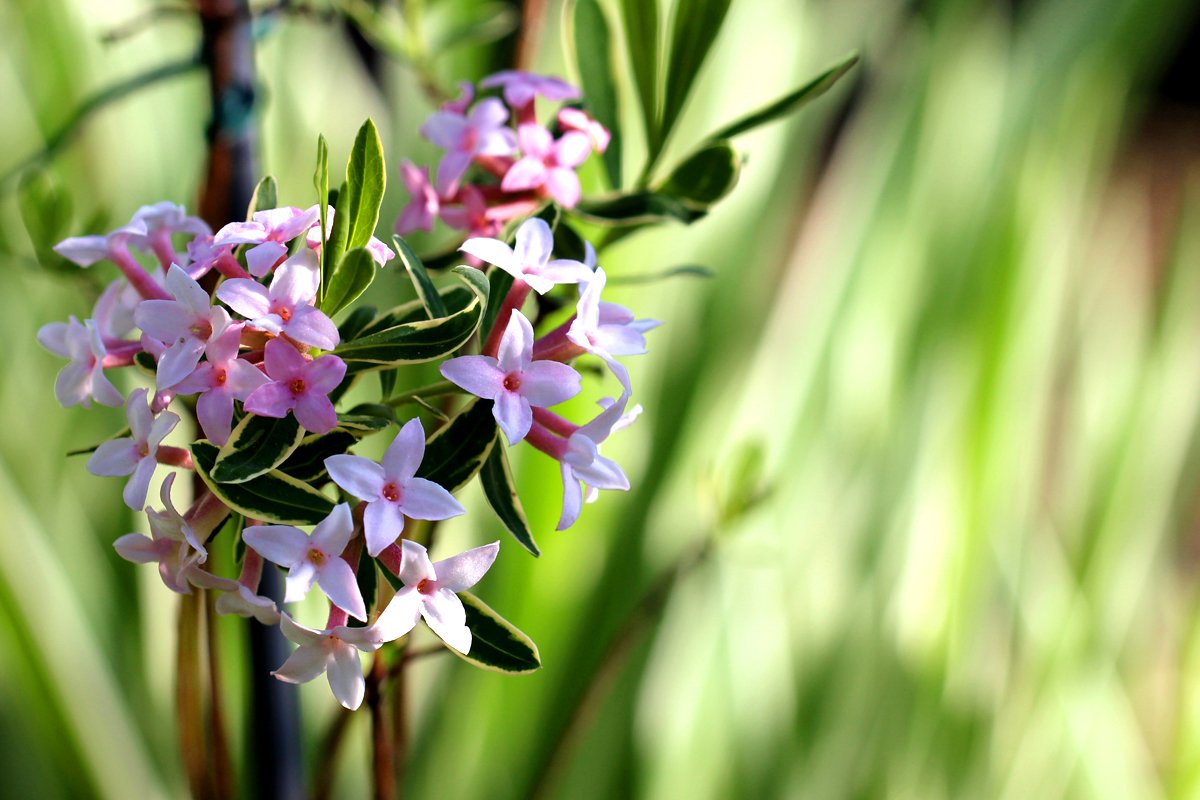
(482, 132)
(316, 558)
(332, 652)
(608, 329)
(220, 380)
(547, 164)
(582, 463)
(430, 592)
(172, 544)
(389, 488)
(184, 324)
(530, 261)
(513, 380)
(298, 385)
(83, 379)
(286, 308)
(134, 455)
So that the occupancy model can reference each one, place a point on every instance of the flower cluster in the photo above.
(519, 162)
(231, 330)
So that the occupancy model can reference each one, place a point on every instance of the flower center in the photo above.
(425, 586)
(143, 449)
(201, 329)
(283, 313)
(391, 492)
(219, 376)
(317, 557)
(297, 386)
(469, 139)
(512, 382)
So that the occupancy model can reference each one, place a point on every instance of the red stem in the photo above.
(542, 439)
(173, 456)
(138, 278)
(512, 301)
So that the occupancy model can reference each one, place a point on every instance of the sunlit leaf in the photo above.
(593, 58)
(497, 644)
(256, 445)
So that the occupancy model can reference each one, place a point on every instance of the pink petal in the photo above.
(295, 282)
(359, 476)
(72, 385)
(299, 581)
(246, 297)
(479, 375)
(315, 413)
(516, 345)
(498, 142)
(445, 615)
(383, 523)
(163, 424)
(138, 484)
(345, 676)
(281, 544)
(445, 129)
(301, 634)
(333, 533)
(324, 374)
(53, 337)
(415, 565)
(137, 548)
(214, 410)
(424, 499)
(337, 581)
(162, 319)
(242, 378)
(464, 570)
(535, 141)
(493, 251)
(83, 250)
(224, 346)
(114, 458)
(619, 340)
(572, 499)
(284, 362)
(311, 327)
(270, 400)
(563, 185)
(513, 414)
(404, 454)
(103, 390)
(264, 257)
(547, 383)
(572, 149)
(241, 233)
(187, 291)
(450, 171)
(179, 360)
(488, 113)
(527, 173)
(535, 242)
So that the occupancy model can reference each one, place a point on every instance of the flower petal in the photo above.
(246, 297)
(493, 251)
(282, 544)
(526, 173)
(461, 572)
(137, 548)
(333, 533)
(383, 522)
(357, 475)
(139, 484)
(310, 326)
(302, 666)
(400, 616)
(444, 613)
(516, 345)
(547, 383)
(572, 499)
(283, 361)
(535, 242)
(324, 374)
(262, 258)
(479, 375)
(315, 413)
(415, 565)
(424, 499)
(337, 581)
(299, 582)
(270, 400)
(114, 457)
(513, 414)
(345, 676)
(404, 454)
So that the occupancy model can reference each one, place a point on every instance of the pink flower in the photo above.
(313, 559)
(332, 652)
(285, 308)
(174, 546)
(581, 463)
(391, 491)
(379, 251)
(83, 379)
(547, 164)
(162, 221)
(220, 380)
(481, 133)
(423, 208)
(513, 380)
(575, 119)
(271, 230)
(520, 88)
(471, 214)
(135, 454)
(298, 385)
(466, 94)
(530, 261)
(87, 250)
(184, 324)
(430, 591)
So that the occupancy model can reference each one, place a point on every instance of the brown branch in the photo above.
(381, 745)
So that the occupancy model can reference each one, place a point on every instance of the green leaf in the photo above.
(354, 324)
(45, 209)
(366, 418)
(489, 22)
(365, 182)
(568, 243)
(146, 364)
(499, 283)
(686, 270)
(697, 23)
(497, 644)
(307, 462)
(640, 19)
(256, 445)
(639, 208)
(789, 103)
(266, 195)
(593, 57)
(705, 176)
(501, 493)
(421, 340)
(124, 433)
(426, 291)
(271, 497)
(351, 278)
(321, 184)
(456, 452)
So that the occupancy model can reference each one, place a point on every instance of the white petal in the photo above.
(464, 570)
(444, 613)
(345, 676)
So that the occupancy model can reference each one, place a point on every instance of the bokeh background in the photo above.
(936, 414)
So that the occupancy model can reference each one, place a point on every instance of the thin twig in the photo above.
(381, 745)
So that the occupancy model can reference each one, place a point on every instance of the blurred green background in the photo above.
(955, 322)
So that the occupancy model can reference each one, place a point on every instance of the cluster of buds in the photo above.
(519, 162)
(230, 325)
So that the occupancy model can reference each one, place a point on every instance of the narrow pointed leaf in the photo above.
(640, 18)
(697, 23)
(501, 493)
(457, 451)
(353, 275)
(307, 462)
(321, 184)
(366, 179)
(497, 644)
(499, 282)
(271, 497)
(266, 195)
(593, 57)
(706, 176)
(426, 291)
(640, 208)
(256, 445)
(789, 103)
(366, 418)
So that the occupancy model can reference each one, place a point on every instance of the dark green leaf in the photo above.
(426, 291)
(257, 444)
(593, 57)
(307, 462)
(497, 644)
(501, 493)
(697, 23)
(387, 382)
(351, 278)
(45, 208)
(271, 497)
(640, 18)
(568, 243)
(456, 452)
(789, 102)
(422, 340)
(365, 575)
(353, 325)
(489, 22)
(499, 282)
(366, 179)
(266, 195)
(705, 176)
(321, 184)
(641, 208)
(366, 418)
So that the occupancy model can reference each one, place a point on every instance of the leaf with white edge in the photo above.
(256, 445)
(321, 184)
(499, 282)
(307, 462)
(426, 291)
(705, 176)
(266, 195)
(639, 208)
(366, 418)
(593, 57)
(271, 497)
(352, 326)
(789, 103)
(422, 340)
(501, 492)
(353, 275)
(456, 452)
(497, 644)
(696, 25)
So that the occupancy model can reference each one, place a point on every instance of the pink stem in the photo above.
(512, 301)
(555, 423)
(336, 617)
(228, 266)
(206, 514)
(138, 278)
(173, 456)
(164, 251)
(547, 442)
(391, 557)
(117, 360)
(252, 567)
(553, 342)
